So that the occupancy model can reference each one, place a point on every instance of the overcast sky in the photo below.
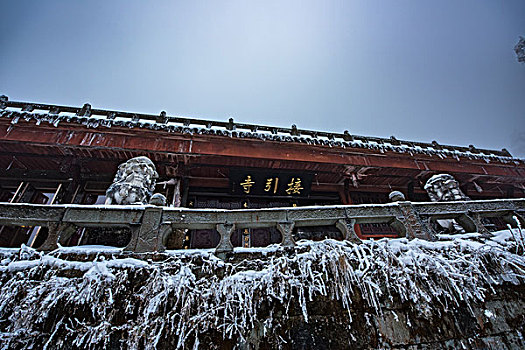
(419, 70)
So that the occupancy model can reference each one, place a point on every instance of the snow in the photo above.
(90, 249)
(126, 263)
(460, 235)
(99, 271)
(4, 251)
(503, 236)
(264, 250)
(191, 127)
(45, 260)
(189, 292)
(190, 252)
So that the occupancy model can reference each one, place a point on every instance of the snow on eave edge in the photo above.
(277, 135)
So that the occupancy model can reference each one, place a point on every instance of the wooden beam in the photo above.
(219, 146)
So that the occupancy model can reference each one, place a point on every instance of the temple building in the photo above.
(52, 154)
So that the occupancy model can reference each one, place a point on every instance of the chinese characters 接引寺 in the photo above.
(294, 187)
(269, 182)
(247, 184)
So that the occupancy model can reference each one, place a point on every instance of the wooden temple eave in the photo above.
(381, 183)
(15, 111)
(73, 139)
(71, 155)
(102, 149)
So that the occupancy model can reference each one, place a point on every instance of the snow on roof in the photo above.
(55, 115)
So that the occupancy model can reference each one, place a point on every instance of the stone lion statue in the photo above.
(134, 182)
(444, 188)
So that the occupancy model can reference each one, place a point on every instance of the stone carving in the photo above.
(396, 196)
(444, 188)
(158, 199)
(134, 182)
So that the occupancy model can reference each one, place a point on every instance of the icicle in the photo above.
(184, 294)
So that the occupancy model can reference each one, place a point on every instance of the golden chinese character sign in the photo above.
(267, 183)
(247, 184)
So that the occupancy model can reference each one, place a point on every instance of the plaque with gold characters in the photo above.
(259, 182)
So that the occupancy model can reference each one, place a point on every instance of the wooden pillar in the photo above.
(185, 191)
(72, 189)
(410, 191)
(343, 192)
(176, 193)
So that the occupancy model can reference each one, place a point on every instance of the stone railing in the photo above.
(151, 225)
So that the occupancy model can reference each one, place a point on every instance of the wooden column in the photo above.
(177, 199)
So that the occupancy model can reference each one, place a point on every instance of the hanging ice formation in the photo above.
(66, 298)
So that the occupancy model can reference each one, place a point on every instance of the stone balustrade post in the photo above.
(225, 245)
(286, 229)
(346, 226)
(164, 232)
(414, 225)
(147, 237)
(56, 230)
(472, 222)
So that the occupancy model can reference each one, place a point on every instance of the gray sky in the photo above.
(419, 70)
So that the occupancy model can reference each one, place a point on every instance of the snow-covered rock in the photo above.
(460, 290)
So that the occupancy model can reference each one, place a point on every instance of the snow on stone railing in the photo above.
(94, 118)
(151, 226)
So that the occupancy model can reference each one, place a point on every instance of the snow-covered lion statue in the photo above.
(134, 182)
(444, 188)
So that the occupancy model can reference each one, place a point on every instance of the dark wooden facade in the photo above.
(59, 154)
